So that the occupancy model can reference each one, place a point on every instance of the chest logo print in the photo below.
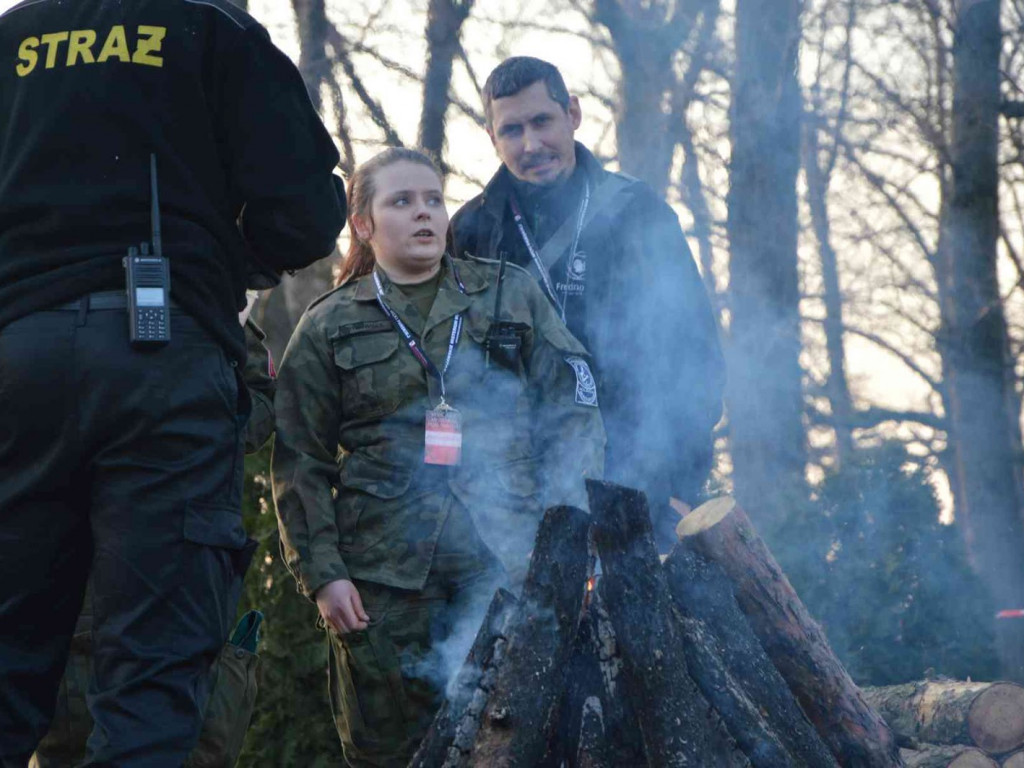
(71, 47)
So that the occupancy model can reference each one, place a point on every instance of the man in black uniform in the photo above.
(611, 257)
(136, 451)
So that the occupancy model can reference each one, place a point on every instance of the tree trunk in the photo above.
(763, 397)
(986, 715)
(647, 39)
(931, 756)
(645, 55)
(433, 750)
(985, 443)
(298, 290)
(701, 591)
(856, 734)
(837, 389)
(521, 715)
(444, 27)
(677, 726)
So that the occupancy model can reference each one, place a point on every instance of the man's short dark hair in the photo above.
(519, 72)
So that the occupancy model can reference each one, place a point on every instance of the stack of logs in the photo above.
(952, 723)
(706, 659)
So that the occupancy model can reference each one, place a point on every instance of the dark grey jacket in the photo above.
(642, 312)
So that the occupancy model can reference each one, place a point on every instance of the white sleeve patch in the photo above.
(586, 387)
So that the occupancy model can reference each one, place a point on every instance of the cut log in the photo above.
(701, 591)
(600, 724)
(593, 743)
(433, 750)
(677, 726)
(744, 721)
(523, 709)
(797, 646)
(986, 715)
(1016, 760)
(944, 756)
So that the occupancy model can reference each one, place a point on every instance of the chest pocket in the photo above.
(365, 356)
(504, 376)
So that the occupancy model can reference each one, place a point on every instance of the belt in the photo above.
(98, 300)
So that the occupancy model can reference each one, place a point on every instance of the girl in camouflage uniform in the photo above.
(427, 414)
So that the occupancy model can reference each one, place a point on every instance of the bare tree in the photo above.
(649, 40)
(764, 396)
(975, 347)
(444, 28)
(819, 163)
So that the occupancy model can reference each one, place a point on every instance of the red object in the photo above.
(443, 444)
(1014, 613)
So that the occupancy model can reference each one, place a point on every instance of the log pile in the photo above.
(955, 723)
(708, 659)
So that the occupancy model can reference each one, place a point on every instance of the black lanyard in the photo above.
(524, 233)
(410, 339)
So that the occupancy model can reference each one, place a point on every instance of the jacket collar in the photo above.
(449, 302)
(495, 194)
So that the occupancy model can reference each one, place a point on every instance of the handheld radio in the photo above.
(148, 282)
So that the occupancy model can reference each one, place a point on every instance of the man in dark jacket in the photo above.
(123, 460)
(612, 259)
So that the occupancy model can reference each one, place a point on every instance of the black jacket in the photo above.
(643, 313)
(90, 88)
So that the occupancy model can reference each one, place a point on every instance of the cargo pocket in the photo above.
(220, 527)
(366, 712)
(229, 709)
(360, 353)
(364, 480)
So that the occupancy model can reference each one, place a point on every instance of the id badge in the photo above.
(443, 436)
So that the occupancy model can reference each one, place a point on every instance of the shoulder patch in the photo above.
(586, 386)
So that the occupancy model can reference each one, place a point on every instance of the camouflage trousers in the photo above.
(228, 710)
(388, 681)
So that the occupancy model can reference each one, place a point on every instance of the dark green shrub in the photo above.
(292, 723)
(890, 584)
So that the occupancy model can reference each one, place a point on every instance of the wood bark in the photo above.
(593, 745)
(677, 726)
(856, 734)
(974, 343)
(701, 591)
(959, 756)
(433, 750)
(600, 723)
(522, 712)
(985, 715)
(745, 722)
(1016, 760)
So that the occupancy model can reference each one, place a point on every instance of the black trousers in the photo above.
(128, 464)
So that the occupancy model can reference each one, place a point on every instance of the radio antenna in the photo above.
(158, 250)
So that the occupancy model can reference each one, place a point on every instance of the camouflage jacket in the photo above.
(354, 497)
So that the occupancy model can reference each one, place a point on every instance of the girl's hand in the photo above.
(341, 607)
